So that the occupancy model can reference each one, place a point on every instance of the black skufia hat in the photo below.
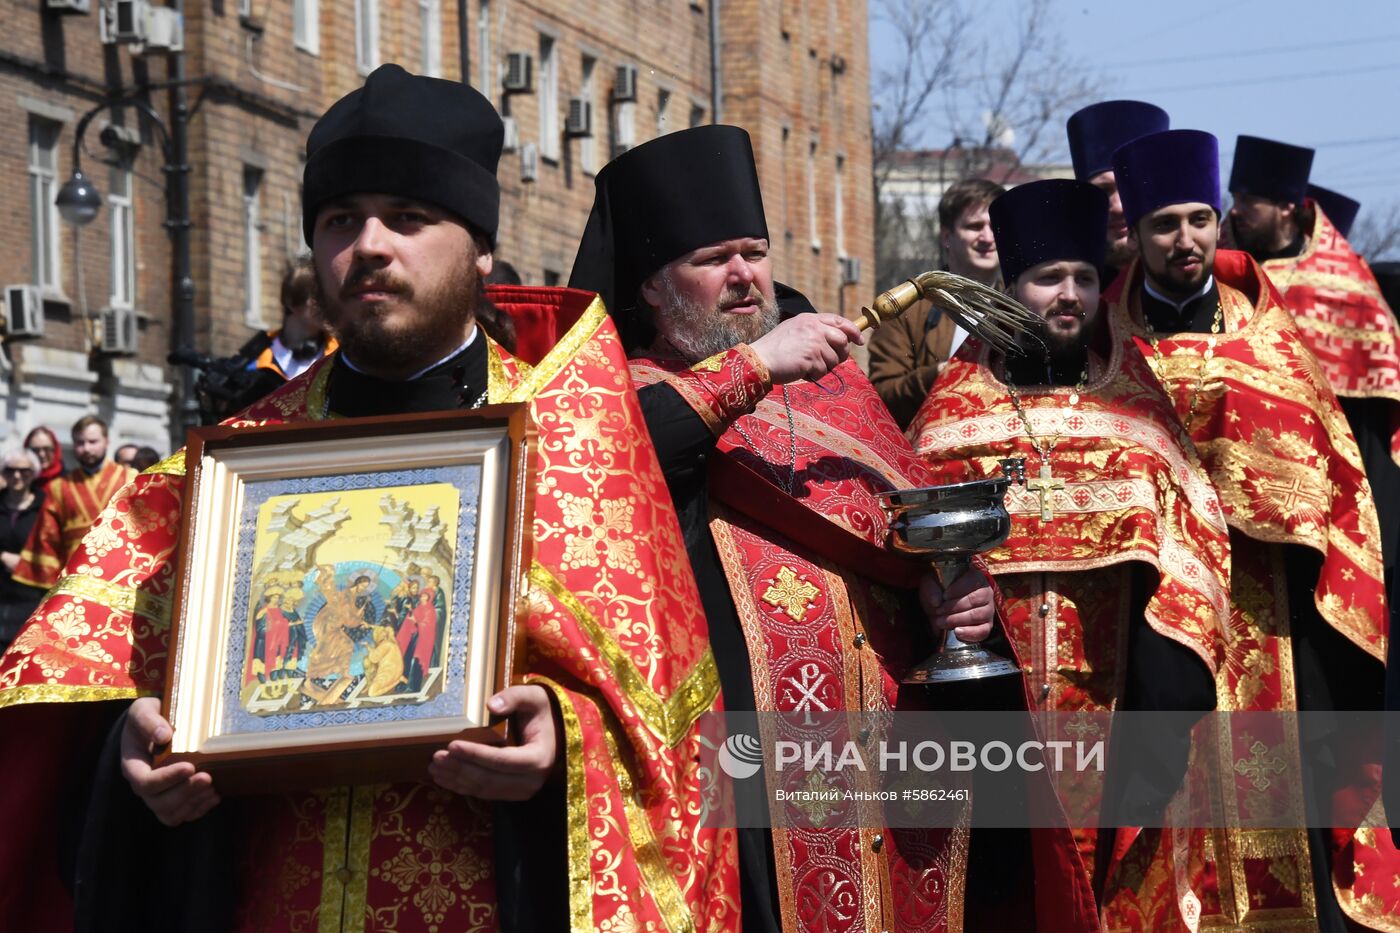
(658, 202)
(424, 138)
(1339, 208)
(1269, 169)
(1052, 220)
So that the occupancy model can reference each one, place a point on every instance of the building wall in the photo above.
(794, 72)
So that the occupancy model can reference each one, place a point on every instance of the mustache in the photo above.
(361, 279)
(1188, 254)
(734, 296)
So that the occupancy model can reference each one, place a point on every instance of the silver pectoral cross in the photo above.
(1045, 485)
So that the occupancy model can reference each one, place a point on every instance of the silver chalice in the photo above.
(949, 524)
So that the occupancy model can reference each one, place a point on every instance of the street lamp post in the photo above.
(79, 203)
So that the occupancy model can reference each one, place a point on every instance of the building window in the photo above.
(366, 35)
(812, 232)
(549, 100)
(624, 127)
(838, 201)
(697, 116)
(588, 149)
(663, 107)
(43, 219)
(306, 25)
(553, 278)
(487, 79)
(430, 21)
(123, 235)
(252, 246)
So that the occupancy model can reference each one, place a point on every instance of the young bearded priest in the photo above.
(1115, 572)
(557, 830)
(1308, 622)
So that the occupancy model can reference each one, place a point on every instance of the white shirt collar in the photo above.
(418, 375)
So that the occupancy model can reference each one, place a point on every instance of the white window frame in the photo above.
(430, 31)
(252, 246)
(44, 219)
(838, 200)
(123, 236)
(663, 109)
(549, 97)
(486, 64)
(306, 25)
(813, 233)
(366, 35)
(588, 90)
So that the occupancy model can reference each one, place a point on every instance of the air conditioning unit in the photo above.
(850, 269)
(124, 21)
(116, 332)
(510, 140)
(68, 6)
(529, 162)
(624, 88)
(24, 311)
(579, 122)
(165, 30)
(519, 77)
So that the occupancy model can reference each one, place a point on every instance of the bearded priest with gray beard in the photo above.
(775, 447)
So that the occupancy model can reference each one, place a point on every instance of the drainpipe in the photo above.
(464, 58)
(716, 94)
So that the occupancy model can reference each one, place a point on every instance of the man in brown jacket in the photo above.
(906, 353)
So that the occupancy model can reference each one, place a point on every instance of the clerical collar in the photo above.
(1290, 251)
(1194, 315)
(426, 369)
(1180, 306)
(454, 382)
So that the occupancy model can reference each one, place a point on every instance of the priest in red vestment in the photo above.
(591, 820)
(1336, 303)
(1115, 575)
(71, 504)
(1308, 611)
(775, 448)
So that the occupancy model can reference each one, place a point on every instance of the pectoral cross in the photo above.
(1045, 485)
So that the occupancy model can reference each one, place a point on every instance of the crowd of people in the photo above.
(1209, 433)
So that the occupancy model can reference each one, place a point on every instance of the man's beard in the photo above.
(369, 338)
(699, 332)
(1255, 241)
(1172, 281)
(1120, 254)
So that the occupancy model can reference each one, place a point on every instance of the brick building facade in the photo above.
(793, 72)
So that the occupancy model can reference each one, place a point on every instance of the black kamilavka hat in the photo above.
(1270, 169)
(658, 202)
(424, 138)
(1053, 220)
(1339, 208)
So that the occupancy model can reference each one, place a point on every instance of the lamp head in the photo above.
(78, 200)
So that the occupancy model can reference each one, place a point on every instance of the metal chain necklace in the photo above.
(1217, 326)
(791, 482)
(1045, 482)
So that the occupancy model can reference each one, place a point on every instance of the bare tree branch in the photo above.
(1377, 233)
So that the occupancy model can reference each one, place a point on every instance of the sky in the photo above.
(1319, 74)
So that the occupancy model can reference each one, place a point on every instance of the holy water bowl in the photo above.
(949, 524)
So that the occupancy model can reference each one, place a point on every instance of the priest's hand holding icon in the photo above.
(807, 346)
(176, 793)
(506, 772)
(968, 607)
